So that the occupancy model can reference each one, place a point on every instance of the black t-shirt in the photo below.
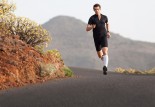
(99, 30)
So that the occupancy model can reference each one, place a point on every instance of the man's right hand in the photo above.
(90, 27)
(93, 26)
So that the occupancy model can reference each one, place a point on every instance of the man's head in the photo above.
(97, 8)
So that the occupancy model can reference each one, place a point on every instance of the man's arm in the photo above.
(107, 27)
(108, 32)
(90, 27)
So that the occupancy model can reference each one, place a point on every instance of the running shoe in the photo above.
(105, 70)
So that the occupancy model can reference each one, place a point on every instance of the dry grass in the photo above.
(134, 71)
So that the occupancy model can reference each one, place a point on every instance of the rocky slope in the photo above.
(21, 64)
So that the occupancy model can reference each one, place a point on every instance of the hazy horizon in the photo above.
(129, 18)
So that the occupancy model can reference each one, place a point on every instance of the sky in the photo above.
(134, 19)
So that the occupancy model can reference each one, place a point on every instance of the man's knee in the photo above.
(105, 52)
(100, 54)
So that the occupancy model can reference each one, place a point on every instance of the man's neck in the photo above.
(98, 14)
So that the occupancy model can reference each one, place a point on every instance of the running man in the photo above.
(99, 23)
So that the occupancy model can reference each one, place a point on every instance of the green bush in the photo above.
(47, 69)
(40, 49)
(68, 71)
(6, 7)
(55, 52)
(29, 31)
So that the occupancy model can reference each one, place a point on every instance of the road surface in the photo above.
(89, 88)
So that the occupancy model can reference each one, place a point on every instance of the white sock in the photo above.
(105, 60)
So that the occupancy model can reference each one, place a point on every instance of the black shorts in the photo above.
(101, 42)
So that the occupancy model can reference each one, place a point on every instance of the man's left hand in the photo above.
(108, 35)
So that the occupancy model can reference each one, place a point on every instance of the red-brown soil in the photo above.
(20, 63)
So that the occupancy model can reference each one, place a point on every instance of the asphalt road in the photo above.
(88, 89)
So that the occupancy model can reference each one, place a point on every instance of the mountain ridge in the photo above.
(77, 46)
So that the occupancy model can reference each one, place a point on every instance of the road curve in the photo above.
(89, 88)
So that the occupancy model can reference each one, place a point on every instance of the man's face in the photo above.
(97, 10)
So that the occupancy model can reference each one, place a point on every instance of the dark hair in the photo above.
(96, 5)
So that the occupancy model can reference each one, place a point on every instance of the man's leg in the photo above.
(100, 53)
(105, 59)
(105, 56)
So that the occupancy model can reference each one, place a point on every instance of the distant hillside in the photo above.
(77, 46)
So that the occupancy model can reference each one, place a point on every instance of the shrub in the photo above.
(40, 49)
(151, 71)
(6, 7)
(133, 71)
(47, 69)
(55, 52)
(29, 31)
(7, 18)
(68, 71)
